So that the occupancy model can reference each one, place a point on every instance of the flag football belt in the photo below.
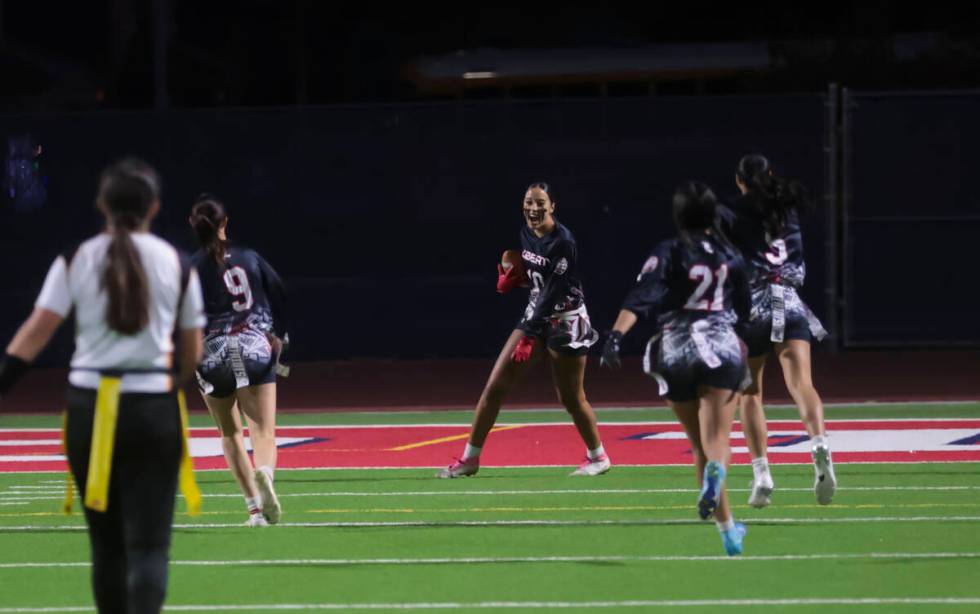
(648, 366)
(103, 442)
(779, 295)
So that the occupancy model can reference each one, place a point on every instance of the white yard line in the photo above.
(497, 560)
(511, 523)
(542, 605)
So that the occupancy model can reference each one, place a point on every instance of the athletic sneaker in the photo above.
(714, 479)
(732, 539)
(256, 520)
(762, 487)
(591, 467)
(461, 468)
(825, 484)
(270, 502)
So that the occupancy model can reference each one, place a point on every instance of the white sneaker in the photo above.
(256, 520)
(762, 487)
(270, 502)
(593, 467)
(462, 467)
(825, 482)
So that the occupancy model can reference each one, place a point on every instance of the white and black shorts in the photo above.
(236, 360)
(569, 333)
(778, 315)
(704, 352)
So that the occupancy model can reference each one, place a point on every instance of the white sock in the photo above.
(725, 526)
(597, 453)
(818, 441)
(760, 467)
(268, 471)
(471, 452)
(253, 504)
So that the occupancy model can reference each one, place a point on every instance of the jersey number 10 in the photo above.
(236, 280)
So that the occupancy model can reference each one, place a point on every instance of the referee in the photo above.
(132, 295)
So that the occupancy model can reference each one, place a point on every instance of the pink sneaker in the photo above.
(591, 467)
(462, 467)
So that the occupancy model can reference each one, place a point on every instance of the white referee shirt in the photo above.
(78, 284)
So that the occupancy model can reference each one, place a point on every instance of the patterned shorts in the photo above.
(778, 314)
(705, 352)
(234, 361)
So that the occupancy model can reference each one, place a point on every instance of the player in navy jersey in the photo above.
(696, 287)
(555, 323)
(766, 228)
(245, 304)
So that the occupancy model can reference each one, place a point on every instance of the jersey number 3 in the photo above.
(237, 282)
(777, 253)
(706, 277)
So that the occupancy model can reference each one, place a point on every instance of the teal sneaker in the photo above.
(732, 539)
(714, 479)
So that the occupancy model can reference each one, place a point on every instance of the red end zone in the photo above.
(654, 443)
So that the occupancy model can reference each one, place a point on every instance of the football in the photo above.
(512, 258)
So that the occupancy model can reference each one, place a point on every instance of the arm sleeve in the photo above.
(648, 296)
(192, 306)
(276, 293)
(561, 259)
(55, 295)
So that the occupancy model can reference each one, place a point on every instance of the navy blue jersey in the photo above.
(245, 291)
(685, 281)
(551, 262)
(776, 255)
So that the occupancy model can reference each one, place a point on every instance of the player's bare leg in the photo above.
(753, 420)
(258, 403)
(794, 356)
(568, 374)
(705, 423)
(225, 415)
(506, 374)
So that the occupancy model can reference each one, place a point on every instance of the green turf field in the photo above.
(899, 538)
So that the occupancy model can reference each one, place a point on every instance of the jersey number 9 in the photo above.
(236, 280)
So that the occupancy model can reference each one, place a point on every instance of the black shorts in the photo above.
(683, 383)
(234, 361)
(757, 334)
(779, 318)
(693, 354)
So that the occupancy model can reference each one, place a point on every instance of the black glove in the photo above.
(11, 370)
(610, 351)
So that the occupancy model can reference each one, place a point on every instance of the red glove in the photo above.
(507, 280)
(522, 353)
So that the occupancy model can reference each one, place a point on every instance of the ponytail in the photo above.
(125, 282)
(775, 198)
(128, 191)
(207, 215)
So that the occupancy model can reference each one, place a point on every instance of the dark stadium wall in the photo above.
(386, 221)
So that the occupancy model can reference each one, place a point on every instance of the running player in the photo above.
(696, 286)
(131, 293)
(767, 230)
(555, 323)
(245, 303)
